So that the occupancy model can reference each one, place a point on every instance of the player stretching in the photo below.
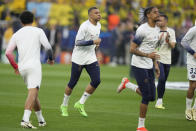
(189, 43)
(143, 47)
(167, 41)
(84, 57)
(28, 41)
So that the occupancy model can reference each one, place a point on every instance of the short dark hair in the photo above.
(92, 8)
(26, 17)
(148, 10)
(165, 16)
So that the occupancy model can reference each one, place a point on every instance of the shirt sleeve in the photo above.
(44, 41)
(84, 43)
(172, 36)
(81, 34)
(139, 36)
(9, 52)
(187, 40)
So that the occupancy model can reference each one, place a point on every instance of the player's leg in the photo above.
(143, 107)
(167, 70)
(190, 92)
(194, 107)
(94, 72)
(30, 100)
(164, 72)
(141, 76)
(152, 87)
(141, 119)
(75, 75)
(38, 112)
(189, 100)
(160, 87)
(125, 83)
(35, 80)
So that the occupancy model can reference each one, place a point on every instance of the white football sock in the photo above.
(84, 97)
(141, 122)
(159, 101)
(66, 100)
(188, 103)
(26, 116)
(194, 106)
(39, 116)
(131, 86)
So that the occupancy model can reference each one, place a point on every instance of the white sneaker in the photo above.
(188, 114)
(27, 125)
(41, 124)
(159, 104)
(122, 84)
(194, 114)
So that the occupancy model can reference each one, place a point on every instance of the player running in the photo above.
(167, 42)
(143, 47)
(189, 43)
(28, 41)
(84, 56)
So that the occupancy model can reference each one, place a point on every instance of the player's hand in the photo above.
(161, 36)
(167, 38)
(97, 42)
(153, 56)
(194, 55)
(50, 62)
(17, 72)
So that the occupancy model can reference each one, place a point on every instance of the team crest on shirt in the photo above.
(192, 76)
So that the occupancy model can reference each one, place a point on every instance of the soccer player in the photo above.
(84, 56)
(28, 41)
(143, 47)
(189, 43)
(167, 41)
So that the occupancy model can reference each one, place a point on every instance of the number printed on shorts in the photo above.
(192, 70)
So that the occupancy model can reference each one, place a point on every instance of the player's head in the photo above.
(163, 19)
(151, 13)
(26, 17)
(94, 13)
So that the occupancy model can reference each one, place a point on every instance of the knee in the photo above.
(152, 99)
(71, 84)
(162, 79)
(95, 83)
(145, 101)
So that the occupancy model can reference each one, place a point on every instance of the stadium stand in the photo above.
(67, 15)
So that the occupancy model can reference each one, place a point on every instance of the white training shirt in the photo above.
(149, 37)
(190, 38)
(84, 55)
(165, 50)
(28, 41)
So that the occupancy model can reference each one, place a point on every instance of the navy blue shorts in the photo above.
(146, 82)
(92, 69)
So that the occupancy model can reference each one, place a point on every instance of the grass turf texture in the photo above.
(107, 110)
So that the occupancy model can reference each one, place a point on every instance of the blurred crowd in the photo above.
(60, 19)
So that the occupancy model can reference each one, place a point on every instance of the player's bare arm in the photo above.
(134, 50)
(157, 70)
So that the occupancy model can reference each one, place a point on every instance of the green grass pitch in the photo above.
(107, 110)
